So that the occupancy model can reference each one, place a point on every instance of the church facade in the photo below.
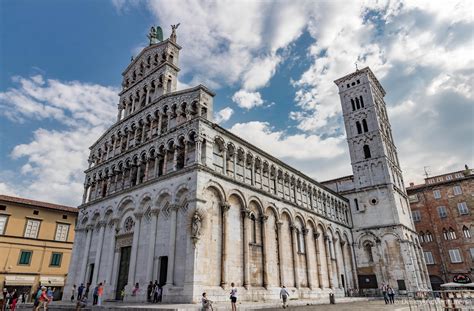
(173, 197)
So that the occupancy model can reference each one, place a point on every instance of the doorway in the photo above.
(123, 270)
(163, 270)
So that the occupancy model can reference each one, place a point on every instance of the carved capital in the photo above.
(138, 215)
(316, 235)
(326, 237)
(305, 231)
(263, 218)
(246, 212)
(90, 227)
(279, 224)
(343, 242)
(155, 211)
(225, 206)
(101, 223)
(293, 227)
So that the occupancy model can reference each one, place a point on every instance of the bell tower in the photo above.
(153, 73)
(387, 247)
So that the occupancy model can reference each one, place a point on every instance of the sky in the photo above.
(272, 65)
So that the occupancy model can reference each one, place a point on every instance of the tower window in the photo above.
(357, 103)
(359, 128)
(364, 125)
(367, 154)
(361, 101)
(356, 203)
(358, 81)
(353, 105)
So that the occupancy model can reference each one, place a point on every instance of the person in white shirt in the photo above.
(284, 296)
(233, 297)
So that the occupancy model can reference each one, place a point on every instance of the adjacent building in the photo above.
(442, 210)
(171, 196)
(36, 241)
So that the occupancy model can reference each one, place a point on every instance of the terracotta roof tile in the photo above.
(24, 201)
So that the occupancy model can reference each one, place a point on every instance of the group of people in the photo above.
(43, 297)
(154, 292)
(388, 294)
(82, 295)
(10, 299)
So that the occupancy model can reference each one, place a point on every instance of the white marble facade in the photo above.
(172, 196)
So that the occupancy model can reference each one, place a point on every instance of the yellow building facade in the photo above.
(36, 240)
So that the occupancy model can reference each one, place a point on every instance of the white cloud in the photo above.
(223, 115)
(247, 100)
(54, 160)
(6, 189)
(281, 145)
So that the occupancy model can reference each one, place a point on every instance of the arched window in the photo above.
(445, 234)
(359, 128)
(353, 105)
(364, 125)
(452, 234)
(361, 101)
(428, 236)
(367, 154)
(357, 103)
(368, 251)
(466, 232)
(422, 237)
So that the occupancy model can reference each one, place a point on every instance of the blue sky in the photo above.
(271, 64)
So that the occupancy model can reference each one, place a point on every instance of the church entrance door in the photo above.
(123, 270)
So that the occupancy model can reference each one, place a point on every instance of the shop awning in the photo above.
(52, 280)
(19, 280)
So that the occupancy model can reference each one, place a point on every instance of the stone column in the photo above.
(263, 221)
(224, 211)
(175, 158)
(143, 133)
(294, 244)
(338, 271)
(309, 265)
(318, 260)
(151, 244)
(165, 159)
(346, 279)
(155, 168)
(172, 248)
(280, 252)
(145, 177)
(98, 252)
(353, 266)
(160, 119)
(245, 219)
(424, 268)
(234, 160)
(85, 255)
(147, 98)
(224, 161)
(134, 252)
(138, 173)
(327, 245)
(252, 167)
(133, 105)
(198, 151)
(111, 258)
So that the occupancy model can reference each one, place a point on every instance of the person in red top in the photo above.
(43, 300)
(100, 292)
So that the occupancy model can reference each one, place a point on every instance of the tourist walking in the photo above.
(80, 291)
(391, 294)
(149, 292)
(155, 292)
(2, 298)
(233, 297)
(13, 299)
(384, 293)
(100, 292)
(94, 295)
(206, 303)
(42, 300)
(50, 294)
(284, 296)
(73, 292)
(136, 289)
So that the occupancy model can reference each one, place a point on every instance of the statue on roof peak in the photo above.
(173, 32)
(155, 35)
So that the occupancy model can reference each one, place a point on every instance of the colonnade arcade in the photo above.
(272, 246)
